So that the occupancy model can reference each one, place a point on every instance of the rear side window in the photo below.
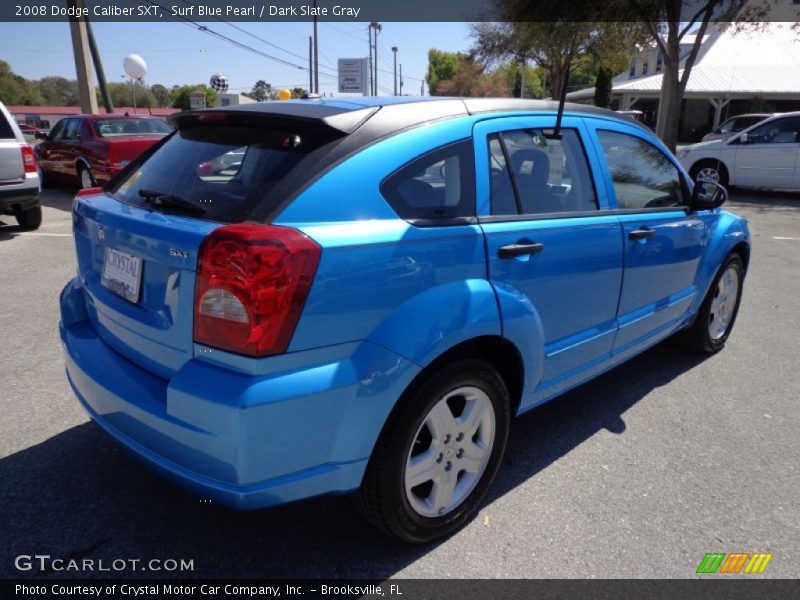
(643, 176)
(6, 133)
(222, 171)
(436, 185)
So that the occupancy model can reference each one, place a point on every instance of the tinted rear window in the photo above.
(226, 170)
(114, 127)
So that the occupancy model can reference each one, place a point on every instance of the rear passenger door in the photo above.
(549, 244)
(663, 240)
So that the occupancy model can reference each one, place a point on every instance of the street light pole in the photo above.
(394, 50)
(401, 79)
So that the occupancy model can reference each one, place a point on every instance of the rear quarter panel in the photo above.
(414, 290)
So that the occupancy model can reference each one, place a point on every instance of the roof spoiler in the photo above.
(342, 122)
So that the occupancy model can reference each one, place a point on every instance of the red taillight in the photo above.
(28, 158)
(252, 284)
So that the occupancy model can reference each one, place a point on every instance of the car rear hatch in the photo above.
(138, 241)
(12, 169)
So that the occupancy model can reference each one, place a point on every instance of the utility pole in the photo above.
(421, 88)
(316, 52)
(376, 27)
(98, 67)
(369, 33)
(83, 66)
(522, 80)
(310, 65)
(401, 79)
(394, 50)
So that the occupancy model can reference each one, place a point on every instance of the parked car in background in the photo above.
(734, 125)
(290, 299)
(32, 134)
(19, 179)
(766, 155)
(91, 149)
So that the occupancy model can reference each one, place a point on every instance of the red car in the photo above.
(91, 149)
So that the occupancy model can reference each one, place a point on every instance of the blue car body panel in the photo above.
(389, 297)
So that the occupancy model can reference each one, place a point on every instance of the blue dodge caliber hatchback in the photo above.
(283, 300)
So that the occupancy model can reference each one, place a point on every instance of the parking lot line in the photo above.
(780, 237)
(45, 234)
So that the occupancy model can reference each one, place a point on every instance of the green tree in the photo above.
(554, 44)
(471, 79)
(261, 91)
(161, 94)
(441, 66)
(122, 95)
(58, 91)
(15, 89)
(299, 92)
(180, 95)
(602, 88)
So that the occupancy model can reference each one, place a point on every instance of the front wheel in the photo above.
(717, 314)
(438, 454)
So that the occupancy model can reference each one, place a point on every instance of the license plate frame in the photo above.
(122, 274)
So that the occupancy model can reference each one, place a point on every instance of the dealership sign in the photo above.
(353, 76)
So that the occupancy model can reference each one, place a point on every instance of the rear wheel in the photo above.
(85, 177)
(438, 454)
(709, 170)
(30, 218)
(717, 314)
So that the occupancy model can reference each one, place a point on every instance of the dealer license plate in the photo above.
(122, 274)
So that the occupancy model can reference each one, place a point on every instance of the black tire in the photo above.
(382, 498)
(715, 165)
(697, 336)
(29, 219)
(83, 171)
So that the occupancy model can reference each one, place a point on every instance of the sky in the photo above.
(177, 53)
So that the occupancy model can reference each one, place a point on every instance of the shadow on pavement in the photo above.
(58, 197)
(79, 495)
(764, 201)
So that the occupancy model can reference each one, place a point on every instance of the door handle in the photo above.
(515, 250)
(641, 234)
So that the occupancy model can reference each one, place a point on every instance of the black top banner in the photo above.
(200, 11)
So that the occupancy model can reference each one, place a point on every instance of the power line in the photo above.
(221, 36)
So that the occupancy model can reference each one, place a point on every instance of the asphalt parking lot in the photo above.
(636, 474)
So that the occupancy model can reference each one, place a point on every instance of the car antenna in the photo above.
(556, 135)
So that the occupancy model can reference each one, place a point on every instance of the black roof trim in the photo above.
(477, 106)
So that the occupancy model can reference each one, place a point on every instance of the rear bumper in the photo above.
(247, 441)
(22, 196)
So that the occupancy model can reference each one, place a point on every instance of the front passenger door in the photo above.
(663, 240)
(769, 157)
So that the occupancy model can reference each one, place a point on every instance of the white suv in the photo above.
(19, 177)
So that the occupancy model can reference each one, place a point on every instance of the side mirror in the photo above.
(708, 195)
(744, 139)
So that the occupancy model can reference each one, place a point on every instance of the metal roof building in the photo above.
(740, 68)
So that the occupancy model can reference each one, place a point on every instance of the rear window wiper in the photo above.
(170, 202)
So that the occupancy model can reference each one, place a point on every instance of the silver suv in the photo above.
(19, 177)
